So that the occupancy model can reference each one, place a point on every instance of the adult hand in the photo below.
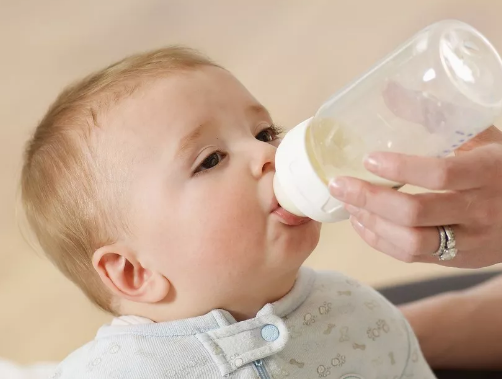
(404, 225)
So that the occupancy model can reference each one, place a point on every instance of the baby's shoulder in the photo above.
(121, 356)
(81, 363)
(342, 289)
(338, 280)
(346, 326)
(336, 298)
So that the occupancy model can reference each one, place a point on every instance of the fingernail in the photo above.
(371, 163)
(352, 210)
(355, 222)
(337, 188)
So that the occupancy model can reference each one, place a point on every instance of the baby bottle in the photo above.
(432, 94)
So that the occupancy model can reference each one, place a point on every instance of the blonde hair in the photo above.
(68, 208)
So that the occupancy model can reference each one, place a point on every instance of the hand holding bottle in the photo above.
(404, 225)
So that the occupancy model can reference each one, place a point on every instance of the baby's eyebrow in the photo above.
(189, 139)
(258, 109)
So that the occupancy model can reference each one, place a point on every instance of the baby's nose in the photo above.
(264, 160)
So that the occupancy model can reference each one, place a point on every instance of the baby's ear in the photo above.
(125, 276)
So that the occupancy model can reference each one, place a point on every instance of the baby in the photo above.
(149, 185)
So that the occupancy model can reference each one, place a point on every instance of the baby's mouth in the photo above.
(286, 217)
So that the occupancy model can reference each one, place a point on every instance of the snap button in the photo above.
(351, 376)
(270, 333)
(238, 362)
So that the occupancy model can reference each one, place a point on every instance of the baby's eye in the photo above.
(211, 161)
(269, 134)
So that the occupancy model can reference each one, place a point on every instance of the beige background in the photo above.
(291, 54)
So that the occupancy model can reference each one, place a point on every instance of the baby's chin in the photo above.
(296, 243)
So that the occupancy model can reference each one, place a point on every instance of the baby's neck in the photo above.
(242, 307)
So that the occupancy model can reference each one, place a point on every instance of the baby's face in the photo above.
(201, 195)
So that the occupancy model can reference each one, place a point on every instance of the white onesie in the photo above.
(327, 326)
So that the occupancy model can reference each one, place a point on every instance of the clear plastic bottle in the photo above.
(432, 94)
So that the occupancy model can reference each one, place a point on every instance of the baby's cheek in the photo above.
(231, 206)
(230, 227)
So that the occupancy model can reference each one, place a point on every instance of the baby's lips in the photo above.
(289, 218)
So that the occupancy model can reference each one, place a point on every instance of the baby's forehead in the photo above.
(163, 110)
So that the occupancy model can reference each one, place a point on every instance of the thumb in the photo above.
(489, 136)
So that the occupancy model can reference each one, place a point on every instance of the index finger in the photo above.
(471, 170)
